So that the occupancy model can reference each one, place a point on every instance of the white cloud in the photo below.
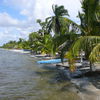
(7, 20)
(5, 37)
(32, 9)
(19, 4)
(24, 12)
(43, 8)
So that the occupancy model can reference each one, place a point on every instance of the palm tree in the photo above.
(54, 22)
(91, 47)
(43, 29)
(46, 44)
(63, 42)
(90, 18)
(33, 37)
(41, 43)
(89, 42)
(64, 29)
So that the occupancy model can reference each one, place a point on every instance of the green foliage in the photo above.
(44, 43)
(90, 18)
(85, 43)
(95, 53)
(43, 29)
(66, 34)
(10, 45)
(89, 42)
(21, 44)
(54, 22)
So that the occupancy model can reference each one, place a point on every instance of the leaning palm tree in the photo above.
(89, 42)
(45, 45)
(61, 27)
(41, 43)
(54, 22)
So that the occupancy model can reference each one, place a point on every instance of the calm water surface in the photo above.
(22, 79)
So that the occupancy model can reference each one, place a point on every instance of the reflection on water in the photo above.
(22, 79)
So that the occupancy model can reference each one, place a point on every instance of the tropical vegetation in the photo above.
(60, 35)
(90, 33)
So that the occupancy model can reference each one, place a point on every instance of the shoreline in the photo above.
(19, 51)
(84, 86)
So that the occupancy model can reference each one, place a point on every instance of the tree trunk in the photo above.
(91, 67)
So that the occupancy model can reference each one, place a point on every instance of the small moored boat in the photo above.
(51, 61)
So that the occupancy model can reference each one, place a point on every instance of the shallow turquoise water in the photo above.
(21, 78)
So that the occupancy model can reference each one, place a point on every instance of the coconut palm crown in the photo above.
(54, 22)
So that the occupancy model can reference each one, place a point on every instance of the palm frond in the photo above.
(85, 43)
(89, 17)
(95, 53)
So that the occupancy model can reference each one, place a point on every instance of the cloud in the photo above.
(14, 33)
(6, 20)
(32, 10)
(19, 4)
(5, 36)
(43, 8)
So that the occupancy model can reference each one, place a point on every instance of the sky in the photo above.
(18, 17)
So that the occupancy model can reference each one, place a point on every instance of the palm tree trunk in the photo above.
(91, 67)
